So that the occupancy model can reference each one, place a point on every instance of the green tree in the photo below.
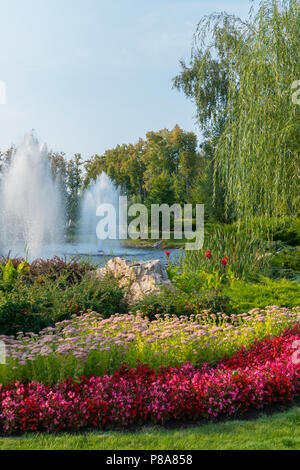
(240, 79)
(137, 168)
(58, 164)
(205, 81)
(68, 174)
(162, 190)
(5, 157)
(74, 182)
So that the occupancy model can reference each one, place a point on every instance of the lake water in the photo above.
(87, 251)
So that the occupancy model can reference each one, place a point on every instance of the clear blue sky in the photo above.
(89, 74)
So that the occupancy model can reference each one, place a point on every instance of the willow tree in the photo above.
(256, 152)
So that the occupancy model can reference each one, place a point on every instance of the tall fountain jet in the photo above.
(31, 212)
(102, 191)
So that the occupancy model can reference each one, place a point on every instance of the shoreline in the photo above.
(163, 244)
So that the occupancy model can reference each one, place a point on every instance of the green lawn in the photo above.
(278, 431)
(164, 244)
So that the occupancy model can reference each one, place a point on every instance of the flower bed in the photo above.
(265, 374)
(90, 345)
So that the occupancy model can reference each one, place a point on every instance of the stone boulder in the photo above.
(140, 277)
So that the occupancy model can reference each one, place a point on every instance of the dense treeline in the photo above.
(165, 167)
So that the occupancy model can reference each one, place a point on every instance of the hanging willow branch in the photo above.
(257, 154)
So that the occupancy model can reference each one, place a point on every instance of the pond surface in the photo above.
(98, 256)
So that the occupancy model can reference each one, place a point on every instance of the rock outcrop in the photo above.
(139, 277)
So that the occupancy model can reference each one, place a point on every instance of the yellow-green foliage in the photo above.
(244, 296)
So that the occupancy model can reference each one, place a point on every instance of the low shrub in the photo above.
(18, 316)
(72, 269)
(266, 374)
(285, 263)
(245, 296)
(175, 302)
(30, 306)
(286, 229)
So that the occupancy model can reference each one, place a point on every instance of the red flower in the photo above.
(224, 261)
(167, 253)
(208, 254)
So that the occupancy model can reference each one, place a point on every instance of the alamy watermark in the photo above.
(2, 92)
(114, 222)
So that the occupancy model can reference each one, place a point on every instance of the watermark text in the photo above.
(166, 222)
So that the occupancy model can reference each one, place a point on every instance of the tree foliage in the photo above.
(162, 168)
(240, 78)
(68, 174)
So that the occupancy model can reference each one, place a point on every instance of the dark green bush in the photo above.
(44, 301)
(288, 232)
(18, 316)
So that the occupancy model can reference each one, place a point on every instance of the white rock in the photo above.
(139, 277)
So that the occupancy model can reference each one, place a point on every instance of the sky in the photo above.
(88, 75)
